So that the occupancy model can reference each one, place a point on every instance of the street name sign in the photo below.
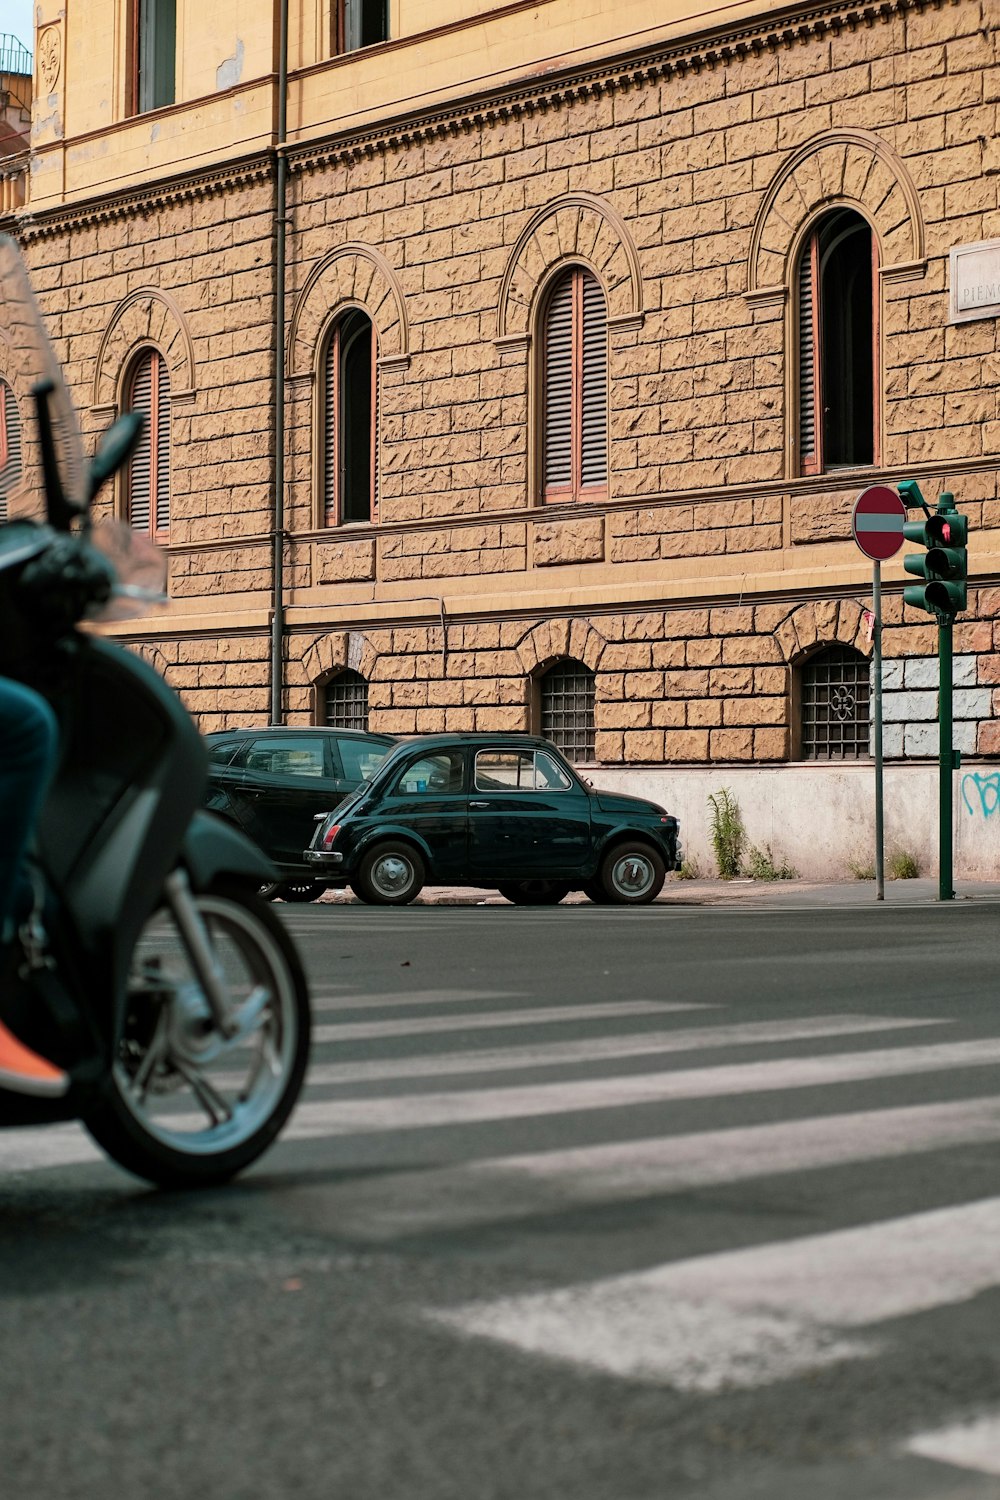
(877, 522)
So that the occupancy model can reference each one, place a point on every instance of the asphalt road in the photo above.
(684, 1202)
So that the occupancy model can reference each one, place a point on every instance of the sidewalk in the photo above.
(737, 893)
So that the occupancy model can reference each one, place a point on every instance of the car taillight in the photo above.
(330, 835)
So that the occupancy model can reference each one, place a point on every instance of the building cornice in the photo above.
(183, 187)
(706, 49)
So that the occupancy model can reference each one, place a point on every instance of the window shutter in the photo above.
(162, 465)
(329, 434)
(376, 413)
(10, 445)
(807, 364)
(558, 387)
(594, 436)
(140, 466)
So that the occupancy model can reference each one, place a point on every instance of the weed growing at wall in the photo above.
(728, 833)
(759, 865)
(903, 866)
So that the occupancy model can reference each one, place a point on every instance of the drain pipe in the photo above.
(278, 564)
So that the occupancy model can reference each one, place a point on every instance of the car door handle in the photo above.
(479, 804)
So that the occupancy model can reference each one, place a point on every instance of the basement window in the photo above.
(834, 687)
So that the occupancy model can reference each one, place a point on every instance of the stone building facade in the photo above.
(439, 201)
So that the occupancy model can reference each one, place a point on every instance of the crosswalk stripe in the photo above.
(967, 1445)
(455, 1107)
(745, 1318)
(344, 1000)
(606, 1048)
(502, 1189)
(527, 1016)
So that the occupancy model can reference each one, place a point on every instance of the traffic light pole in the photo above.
(946, 890)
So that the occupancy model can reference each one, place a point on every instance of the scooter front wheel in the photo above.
(189, 1103)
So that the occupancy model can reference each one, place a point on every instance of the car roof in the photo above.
(276, 729)
(471, 738)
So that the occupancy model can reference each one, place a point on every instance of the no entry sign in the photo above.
(877, 522)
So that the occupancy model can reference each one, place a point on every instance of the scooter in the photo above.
(148, 967)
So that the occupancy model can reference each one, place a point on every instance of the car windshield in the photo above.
(362, 758)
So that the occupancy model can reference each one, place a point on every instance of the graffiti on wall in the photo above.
(981, 793)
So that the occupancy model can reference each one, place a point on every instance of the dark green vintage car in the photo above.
(501, 811)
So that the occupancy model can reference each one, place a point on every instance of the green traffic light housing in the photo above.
(945, 565)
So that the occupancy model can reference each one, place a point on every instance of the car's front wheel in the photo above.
(391, 874)
(632, 874)
(534, 892)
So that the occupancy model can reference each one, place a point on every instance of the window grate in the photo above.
(567, 709)
(345, 701)
(835, 705)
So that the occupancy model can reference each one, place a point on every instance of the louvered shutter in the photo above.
(162, 453)
(10, 445)
(140, 466)
(809, 458)
(594, 403)
(376, 413)
(558, 387)
(328, 437)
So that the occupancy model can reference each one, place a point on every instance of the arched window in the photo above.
(566, 708)
(349, 421)
(148, 476)
(574, 388)
(834, 696)
(838, 345)
(345, 701)
(10, 446)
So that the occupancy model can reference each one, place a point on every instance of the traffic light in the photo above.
(945, 565)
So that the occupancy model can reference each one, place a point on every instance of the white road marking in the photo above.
(527, 1016)
(604, 1048)
(505, 1188)
(344, 1000)
(456, 1107)
(746, 1318)
(968, 1445)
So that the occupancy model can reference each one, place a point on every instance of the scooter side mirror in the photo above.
(115, 449)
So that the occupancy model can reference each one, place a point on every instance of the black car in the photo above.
(501, 811)
(273, 782)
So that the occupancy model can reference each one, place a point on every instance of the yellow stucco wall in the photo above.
(441, 50)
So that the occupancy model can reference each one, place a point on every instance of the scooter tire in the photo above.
(114, 1124)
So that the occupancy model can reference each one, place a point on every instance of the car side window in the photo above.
(362, 758)
(550, 774)
(519, 771)
(287, 757)
(222, 752)
(435, 774)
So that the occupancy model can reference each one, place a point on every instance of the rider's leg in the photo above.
(28, 743)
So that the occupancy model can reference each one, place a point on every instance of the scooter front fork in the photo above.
(200, 949)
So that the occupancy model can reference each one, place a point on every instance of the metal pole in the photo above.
(879, 799)
(946, 758)
(278, 562)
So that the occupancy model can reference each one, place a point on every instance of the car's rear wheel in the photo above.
(299, 890)
(534, 892)
(391, 874)
(632, 874)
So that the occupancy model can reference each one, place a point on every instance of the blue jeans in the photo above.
(28, 745)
